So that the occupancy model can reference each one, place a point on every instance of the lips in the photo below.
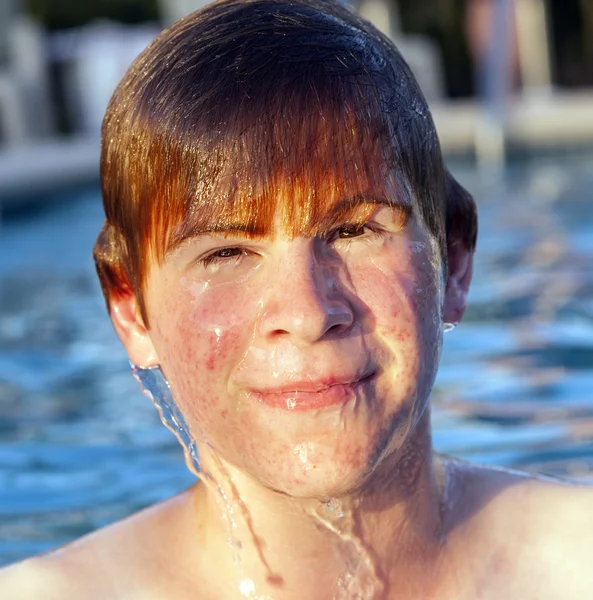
(311, 395)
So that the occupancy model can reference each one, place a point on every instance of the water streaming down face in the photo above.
(301, 362)
(360, 579)
(155, 386)
(223, 323)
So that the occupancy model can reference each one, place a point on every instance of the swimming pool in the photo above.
(80, 446)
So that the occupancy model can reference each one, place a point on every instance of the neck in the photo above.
(372, 542)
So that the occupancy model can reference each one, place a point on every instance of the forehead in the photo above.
(308, 205)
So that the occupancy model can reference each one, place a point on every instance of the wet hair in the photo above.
(245, 98)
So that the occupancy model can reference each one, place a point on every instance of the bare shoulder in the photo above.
(545, 504)
(113, 563)
(537, 531)
(558, 529)
(554, 515)
(561, 533)
(29, 579)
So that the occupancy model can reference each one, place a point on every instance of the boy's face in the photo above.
(303, 362)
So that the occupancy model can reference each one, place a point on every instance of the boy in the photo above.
(283, 243)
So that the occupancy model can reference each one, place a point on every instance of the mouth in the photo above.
(311, 395)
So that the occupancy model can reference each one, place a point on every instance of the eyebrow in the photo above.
(361, 199)
(196, 231)
(355, 203)
(236, 228)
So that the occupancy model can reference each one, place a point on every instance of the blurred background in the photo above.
(510, 85)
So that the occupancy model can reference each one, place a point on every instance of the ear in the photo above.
(460, 265)
(131, 330)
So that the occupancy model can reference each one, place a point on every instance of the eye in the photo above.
(223, 255)
(350, 231)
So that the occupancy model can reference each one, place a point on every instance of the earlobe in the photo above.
(131, 330)
(460, 263)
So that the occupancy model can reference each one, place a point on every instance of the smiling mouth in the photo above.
(311, 396)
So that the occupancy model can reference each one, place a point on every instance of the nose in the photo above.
(304, 301)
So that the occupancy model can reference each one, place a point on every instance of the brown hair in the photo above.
(245, 96)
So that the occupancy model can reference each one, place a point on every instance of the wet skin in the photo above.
(304, 365)
(303, 362)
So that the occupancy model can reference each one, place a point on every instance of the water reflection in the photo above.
(80, 446)
(525, 349)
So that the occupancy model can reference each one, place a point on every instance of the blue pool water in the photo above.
(80, 446)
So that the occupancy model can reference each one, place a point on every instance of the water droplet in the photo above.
(247, 588)
(449, 326)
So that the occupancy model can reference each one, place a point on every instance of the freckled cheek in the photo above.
(214, 327)
(198, 368)
(402, 308)
(196, 357)
(222, 307)
(191, 359)
(385, 298)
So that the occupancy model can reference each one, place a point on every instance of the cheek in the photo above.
(389, 296)
(201, 338)
(403, 304)
(196, 367)
(218, 350)
(220, 307)
(222, 320)
(400, 288)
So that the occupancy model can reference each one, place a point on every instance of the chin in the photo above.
(319, 488)
(332, 472)
(316, 454)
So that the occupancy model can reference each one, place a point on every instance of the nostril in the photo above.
(279, 332)
(339, 328)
